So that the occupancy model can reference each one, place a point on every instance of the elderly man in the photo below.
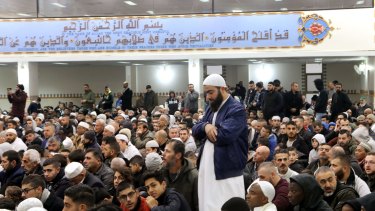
(31, 162)
(223, 154)
(250, 171)
(127, 149)
(260, 196)
(335, 193)
(77, 174)
(77, 138)
(17, 143)
(268, 172)
(99, 128)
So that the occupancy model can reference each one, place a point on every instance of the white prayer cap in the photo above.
(16, 119)
(267, 189)
(214, 80)
(276, 118)
(68, 143)
(73, 169)
(84, 125)
(126, 131)
(93, 113)
(37, 209)
(40, 116)
(122, 137)
(152, 143)
(110, 128)
(102, 116)
(29, 203)
(11, 130)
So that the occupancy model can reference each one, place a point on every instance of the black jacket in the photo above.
(14, 177)
(171, 200)
(53, 203)
(59, 184)
(126, 99)
(313, 194)
(322, 101)
(92, 181)
(341, 194)
(340, 103)
(272, 104)
(292, 100)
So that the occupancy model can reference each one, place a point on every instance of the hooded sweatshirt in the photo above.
(322, 101)
(313, 194)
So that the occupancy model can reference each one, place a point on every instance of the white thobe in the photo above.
(214, 193)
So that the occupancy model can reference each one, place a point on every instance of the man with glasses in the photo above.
(130, 198)
(281, 159)
(35, 186)
(323, 150)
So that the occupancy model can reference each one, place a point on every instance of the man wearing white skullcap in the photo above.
(260, 195)
(109, 130)
(127, 149)
(77, 174)
(224, 153)
(17, 143)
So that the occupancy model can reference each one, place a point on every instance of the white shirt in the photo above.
(290, 173)
(267, 207)
(131, 151)
(19, 145)
(190, 145)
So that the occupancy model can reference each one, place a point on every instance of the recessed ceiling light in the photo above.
(284, 9)
(185, 61)
(130, 3)
(86, 15)
(204, 0)
(137, 64)
(257, 62)
(123, 62)
(58, 5)
(61, 63)
(360, 2)
(278, 0)
(150, 12)
(236, 10)
(24, 14)
(252, 60)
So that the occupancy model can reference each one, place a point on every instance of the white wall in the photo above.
(286, 73)
(163, 78)
(8, 79)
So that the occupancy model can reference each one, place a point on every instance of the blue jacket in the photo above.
(230, 150)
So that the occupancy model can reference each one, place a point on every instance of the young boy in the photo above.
(317, 140)
(293, 160)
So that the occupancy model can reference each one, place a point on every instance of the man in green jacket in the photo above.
(88, 98)
(180, 173)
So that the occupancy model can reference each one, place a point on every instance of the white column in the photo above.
(195, 75)
(28, 76)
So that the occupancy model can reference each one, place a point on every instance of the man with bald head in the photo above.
(250, 172)
(267, 171)
(223, 155)
(161, 137)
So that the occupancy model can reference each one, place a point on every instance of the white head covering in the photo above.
(152, 143)
(267, 189)
(29, 203)
(11, 130)
(320, 138)
(102, 116)
(110, 128)
(122, 137)
(153, 161)
(73, 169)
(67, 143)
(40, 116)
(93, 113)
(214, 80)
(84, 124)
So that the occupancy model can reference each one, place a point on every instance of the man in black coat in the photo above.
(293, 101)
(76, 173)
(272, 102)
(35, 186)
(55, 177)
(340, 102)
(322, 100)
(126, 97)
(13, 172)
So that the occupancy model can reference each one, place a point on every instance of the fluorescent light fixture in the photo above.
(150, 12)
(185, 61)
(204, 0)
(3, 64)
(61, 63)
(137, 64)
(360, 2)
(236, 10)
(278, 0)
(284, 9)
(252, 60)
(257, 62)
(130, 3)
(86, 15)
(24, 14)
(58, 5)
(123, 62)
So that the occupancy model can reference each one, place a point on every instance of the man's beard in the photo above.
(340, 174)
(214, 105)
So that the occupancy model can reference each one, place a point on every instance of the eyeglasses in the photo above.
(26, 190)
(128, 196)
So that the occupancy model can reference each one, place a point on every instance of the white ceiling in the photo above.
(78, 8)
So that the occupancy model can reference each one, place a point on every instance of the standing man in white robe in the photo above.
(223, 155)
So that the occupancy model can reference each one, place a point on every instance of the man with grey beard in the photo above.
(335, 193)
(223, 155)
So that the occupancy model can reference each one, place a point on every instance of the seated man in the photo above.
(130, 198)
(370, 170)
(34, 186)
(79, 197)
(55, 177)
(162, 198)
(31, 162)
(305, 194)
(260, 196)
(76, 173)
(13, 172)
(281, 160)
(335, 193)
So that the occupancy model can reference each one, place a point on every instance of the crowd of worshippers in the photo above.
(301, 156)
